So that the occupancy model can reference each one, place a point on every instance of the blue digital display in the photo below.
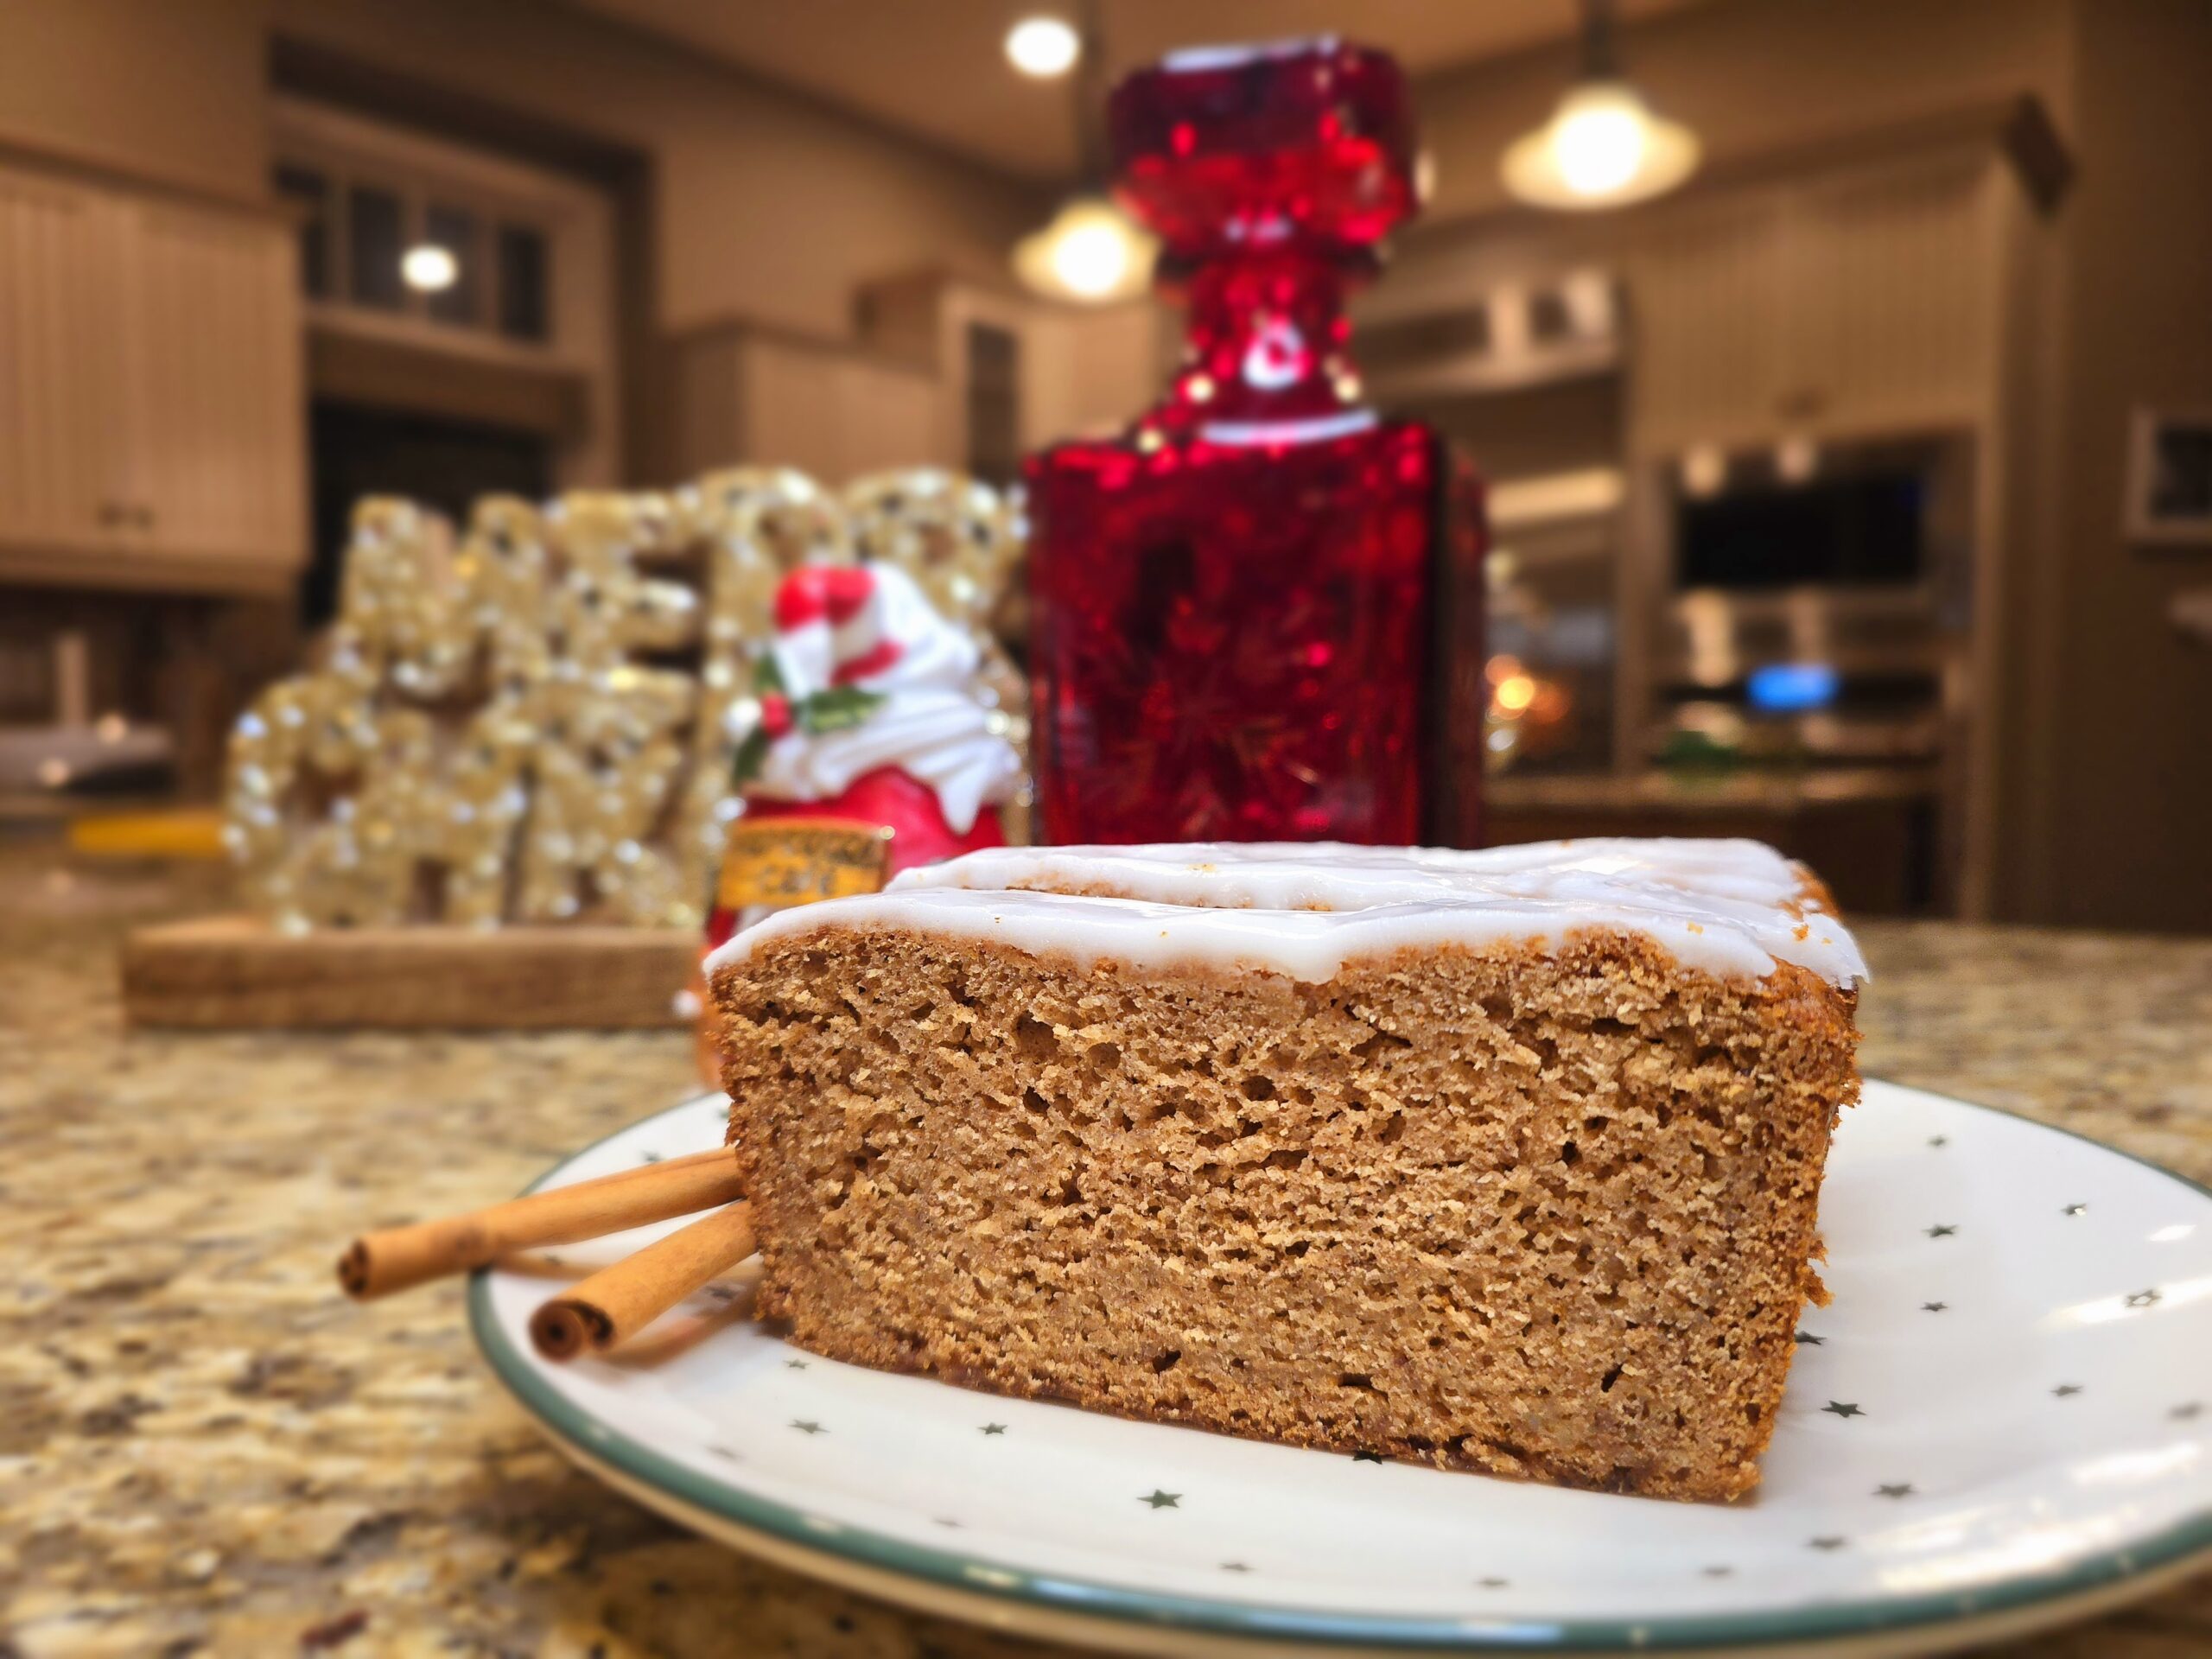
(1793, 688)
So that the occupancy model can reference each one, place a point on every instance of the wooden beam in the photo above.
(137, 570)
(355, 368)
(238, 973)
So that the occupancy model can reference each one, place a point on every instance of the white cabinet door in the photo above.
(887, 418)
(833, 414)
(1085, 374)
(60, 483)
(212, 332)
(1858, 304)
(1708, 313)
(790, 413)
(1892, 310)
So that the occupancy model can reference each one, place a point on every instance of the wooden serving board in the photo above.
(226, 973)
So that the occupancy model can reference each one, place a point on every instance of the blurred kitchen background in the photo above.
(1853, 496)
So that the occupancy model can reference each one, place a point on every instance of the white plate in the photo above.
(2003, 1421)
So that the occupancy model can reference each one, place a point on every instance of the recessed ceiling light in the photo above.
(1043, 46)
(428, 268)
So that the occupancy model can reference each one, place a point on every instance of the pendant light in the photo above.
(1091, 253)
(1603, 147)
(1043, 48)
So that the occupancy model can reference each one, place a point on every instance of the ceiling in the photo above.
(936, 68)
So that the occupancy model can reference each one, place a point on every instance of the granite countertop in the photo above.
(1691, 792)
(205, 1449)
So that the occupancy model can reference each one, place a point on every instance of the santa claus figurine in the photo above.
(867, 747)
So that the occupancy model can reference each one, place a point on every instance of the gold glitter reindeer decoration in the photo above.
(496, 731)
(403, 623)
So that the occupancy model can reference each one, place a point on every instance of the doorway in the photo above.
(356, 450)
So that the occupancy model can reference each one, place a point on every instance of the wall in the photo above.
(770, 205)
(161, 90)
(2116, 803)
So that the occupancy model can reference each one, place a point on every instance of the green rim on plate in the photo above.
(1063, 1594)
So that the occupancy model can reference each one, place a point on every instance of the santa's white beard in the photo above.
(942, 738)
(930, 725)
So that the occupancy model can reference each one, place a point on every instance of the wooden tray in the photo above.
(235, 973)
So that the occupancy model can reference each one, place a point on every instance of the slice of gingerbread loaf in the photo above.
(1504, 1160)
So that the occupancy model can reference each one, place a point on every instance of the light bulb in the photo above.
(1089, 252)
(1090, 258)
(1043, 46)
(1705, 469)
(1599, 138)
(428, 268)
(1602, 148)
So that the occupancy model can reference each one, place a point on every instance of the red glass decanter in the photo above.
(1256, 613)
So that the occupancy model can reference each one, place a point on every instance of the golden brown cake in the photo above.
(1504, 1160)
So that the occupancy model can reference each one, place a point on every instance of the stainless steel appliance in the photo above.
(1814, 604)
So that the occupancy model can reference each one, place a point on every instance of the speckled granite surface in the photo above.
(204, 1449)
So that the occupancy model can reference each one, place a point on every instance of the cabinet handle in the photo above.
(143, 517)
(113, 513)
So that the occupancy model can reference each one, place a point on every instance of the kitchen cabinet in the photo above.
(1016, 373)
(214, 403)
(1835, 308)
(1892, 302)
(1708, 317)
(747, 395)
(976, 343)
(1092, 371)
(152, 416)
(947, 373)
(59, 486)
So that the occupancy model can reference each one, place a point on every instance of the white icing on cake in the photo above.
(1304, 909)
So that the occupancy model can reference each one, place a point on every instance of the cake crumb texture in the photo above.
(1545, 1213)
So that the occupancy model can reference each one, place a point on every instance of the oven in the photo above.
(1813, 606)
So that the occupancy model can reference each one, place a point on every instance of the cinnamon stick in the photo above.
(397, 1258)
(615, 1303)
